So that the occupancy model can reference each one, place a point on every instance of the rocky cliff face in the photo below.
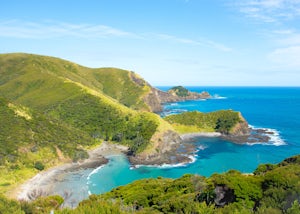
(156, 98)
(165, 152)
(241, 128)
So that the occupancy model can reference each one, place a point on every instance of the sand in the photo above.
(189, 136)
(42, 183)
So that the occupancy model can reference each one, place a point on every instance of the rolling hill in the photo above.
(68, 107)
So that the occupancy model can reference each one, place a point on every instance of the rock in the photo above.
(241, 128)
(155, 98)
(164, 153)
(224, 195)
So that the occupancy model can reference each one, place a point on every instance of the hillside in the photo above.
(29, 142)
(227, 122)
(42, 80)
(72, 107)
(272, 188)
(101, 102)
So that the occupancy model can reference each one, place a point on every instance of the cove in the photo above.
(277, 109)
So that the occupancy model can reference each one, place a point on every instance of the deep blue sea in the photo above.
(274, 108)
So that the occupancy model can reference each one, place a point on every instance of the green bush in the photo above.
(39, 166)
(221, 121)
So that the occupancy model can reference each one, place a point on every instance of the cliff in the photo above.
(155, 98)
(162, 153)
(241, 128)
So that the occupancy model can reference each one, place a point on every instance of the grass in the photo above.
(184, 129)
(51, 104)
(187, 122)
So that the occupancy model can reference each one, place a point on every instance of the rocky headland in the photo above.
(156, 97)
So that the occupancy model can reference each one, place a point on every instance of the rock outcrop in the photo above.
(165, 152)
(155, 98)
(224, 195)
(241, 128)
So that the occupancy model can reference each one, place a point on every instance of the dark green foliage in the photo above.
(39, 166)
(180, 91)
(163, 195)
(10, 206)
(38, 132)
(96, 205)
(295, 208)
(59, 92)
(221, 121)
(42, 205)
(263, 168)
(247, 189)
(226, 122)
(119, 84)
(100, 120)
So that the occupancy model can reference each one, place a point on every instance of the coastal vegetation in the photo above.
(52, 110)
(270, 189)
(30, 142)
(222, 121)
(179, 91)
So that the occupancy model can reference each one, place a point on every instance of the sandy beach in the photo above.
(42, 183)
(190, 136)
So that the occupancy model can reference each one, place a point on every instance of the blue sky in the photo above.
(167, 42)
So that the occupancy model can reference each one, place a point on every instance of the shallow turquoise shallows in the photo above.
(272, 108)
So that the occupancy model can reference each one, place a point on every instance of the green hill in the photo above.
(70, 107)
(29, 142)
(41, 81)
(223, 121)
(101, 102)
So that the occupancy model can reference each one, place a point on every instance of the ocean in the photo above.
(273, 108)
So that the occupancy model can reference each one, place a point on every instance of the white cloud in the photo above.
(48, 29)
(32, 30)
(200, 42)
(269, 10)
(287, 57)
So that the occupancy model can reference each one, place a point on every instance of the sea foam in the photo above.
(273, 134)
(218, 97)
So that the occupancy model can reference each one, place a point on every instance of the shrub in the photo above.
(39, 165)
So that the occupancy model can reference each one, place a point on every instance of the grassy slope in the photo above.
(27, 137)
(77, 100)
(52, 86)
(39, 80)
(195, 121)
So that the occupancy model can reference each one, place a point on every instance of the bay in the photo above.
(274, 108)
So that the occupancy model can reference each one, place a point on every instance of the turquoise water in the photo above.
(277, 109)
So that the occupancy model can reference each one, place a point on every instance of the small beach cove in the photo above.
(95, 175)
(48, 182)
(108, 167)
(213, 154)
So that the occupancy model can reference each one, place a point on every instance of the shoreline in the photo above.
(190, 136)
(42, 183)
